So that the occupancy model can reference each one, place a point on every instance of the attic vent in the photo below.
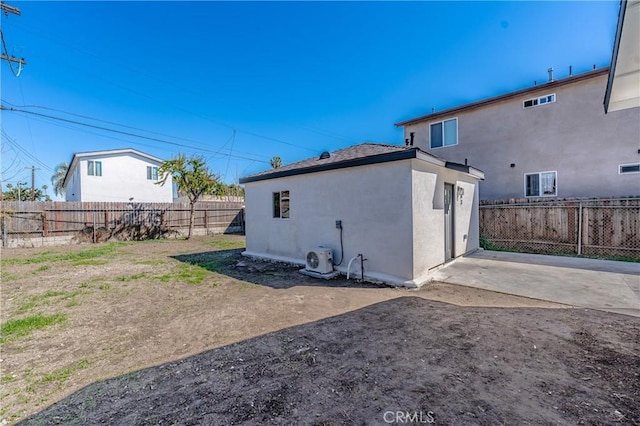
(325, 155)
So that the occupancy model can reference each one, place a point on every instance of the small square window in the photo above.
(94, 168)
(281, 205)
(542, 100)
(152, 173)
(543, 184)
(444, 133)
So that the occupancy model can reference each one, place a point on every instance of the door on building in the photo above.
(448, 222)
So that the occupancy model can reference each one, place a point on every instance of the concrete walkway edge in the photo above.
(590, 283)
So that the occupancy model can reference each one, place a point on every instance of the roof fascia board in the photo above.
(472, 171)
(72, 165)
(364, 161)
(614, 55)
(117, 152)
(374, 159)
(430, 159)
(507, 96)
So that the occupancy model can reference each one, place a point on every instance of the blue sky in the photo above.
(240, 82)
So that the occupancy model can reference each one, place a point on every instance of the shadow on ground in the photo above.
(452, 365)
(276, 275)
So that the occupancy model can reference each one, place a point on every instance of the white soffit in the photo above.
(625, 87)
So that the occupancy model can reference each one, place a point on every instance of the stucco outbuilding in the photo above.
(404, 210)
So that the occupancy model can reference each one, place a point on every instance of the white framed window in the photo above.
(94, 168)
(281, 204)
(541, 184)
(542, 100)
(624, 169)
(443, 133)
(152, 173)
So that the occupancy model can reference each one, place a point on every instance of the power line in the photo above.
(106, 129)
(129, 127)
(16, 145)
(173, 84)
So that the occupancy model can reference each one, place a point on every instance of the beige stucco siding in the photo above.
(572, 136)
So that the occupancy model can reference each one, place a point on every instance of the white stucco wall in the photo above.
(373, 202)
(73, 189)
(392, 213)
(123, 176)
(428, 221)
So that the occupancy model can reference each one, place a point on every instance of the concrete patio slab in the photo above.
(590, 283)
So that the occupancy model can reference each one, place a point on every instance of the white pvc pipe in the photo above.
(349, 266)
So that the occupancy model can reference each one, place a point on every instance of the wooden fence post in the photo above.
(580, 229)
(45, 224)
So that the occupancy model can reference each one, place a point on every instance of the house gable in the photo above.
(558, 127)
(116, 175)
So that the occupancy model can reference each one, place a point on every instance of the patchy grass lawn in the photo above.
(78, 315)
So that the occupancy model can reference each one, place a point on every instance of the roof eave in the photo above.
(363, 161)
(506, 96)
(622, 90)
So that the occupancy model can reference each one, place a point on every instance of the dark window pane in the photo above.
(276, 204)
(631, 168)
(533, 186)
(436, 135)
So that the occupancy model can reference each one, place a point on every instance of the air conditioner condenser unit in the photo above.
(320, 260)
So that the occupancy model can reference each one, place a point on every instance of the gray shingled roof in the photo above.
(347, 154)
(344, 157)
(357, 155)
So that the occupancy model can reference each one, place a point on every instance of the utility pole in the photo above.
(5, 55)
(9, 9)
(33, 181)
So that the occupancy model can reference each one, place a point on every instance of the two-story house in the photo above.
(548, 140)
(116, 175)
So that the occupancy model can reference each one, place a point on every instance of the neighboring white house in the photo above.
(116, 175)
(404, 210)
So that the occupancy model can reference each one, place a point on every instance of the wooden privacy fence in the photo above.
(593, 227)
(25, 220)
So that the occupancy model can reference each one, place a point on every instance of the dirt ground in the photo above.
(190, 332)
